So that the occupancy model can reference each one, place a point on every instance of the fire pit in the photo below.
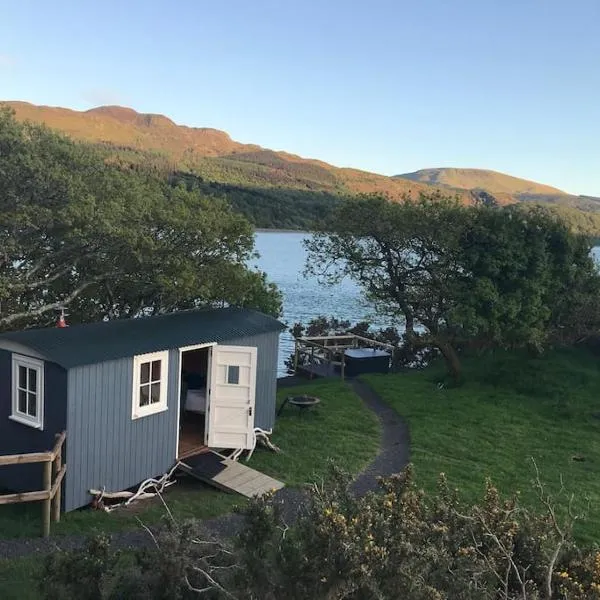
(302, 402)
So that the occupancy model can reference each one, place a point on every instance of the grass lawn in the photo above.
(511, 408)
(341, 428)
(18, 578)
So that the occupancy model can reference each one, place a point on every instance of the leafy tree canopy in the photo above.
(109, 243)
(453, 273)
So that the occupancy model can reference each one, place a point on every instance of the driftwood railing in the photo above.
(51, 494)
(329, 349)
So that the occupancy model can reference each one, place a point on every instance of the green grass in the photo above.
(18, 578)
(341, 428)
(512, 408)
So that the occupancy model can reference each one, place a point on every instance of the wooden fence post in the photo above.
(47, 500)
(295, 356)
(57, 496)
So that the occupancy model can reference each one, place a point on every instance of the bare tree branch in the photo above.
(36, 312)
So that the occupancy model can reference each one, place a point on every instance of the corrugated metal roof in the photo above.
(107, 340)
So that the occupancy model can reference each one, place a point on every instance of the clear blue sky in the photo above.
(386, 86)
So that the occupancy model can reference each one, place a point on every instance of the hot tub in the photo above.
(366, 360)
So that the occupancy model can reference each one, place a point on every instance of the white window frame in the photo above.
(19, 360)
(138, 411)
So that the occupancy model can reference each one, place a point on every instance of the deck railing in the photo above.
(51, 492)
(329, 349)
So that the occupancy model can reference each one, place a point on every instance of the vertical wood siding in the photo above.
(105, 446)
(16, 438)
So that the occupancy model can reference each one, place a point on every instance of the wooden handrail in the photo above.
(23, 497)
(313, 340)
(32, 457)
(35, 457)
(60, 440)
(309, 344)
(58, 481)
(51, 494)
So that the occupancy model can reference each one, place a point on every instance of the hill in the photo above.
(469, 179)
(274, 188)
(209, 153)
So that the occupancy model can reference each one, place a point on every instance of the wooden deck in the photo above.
(318, 370)
(229, 475)
(191, 436)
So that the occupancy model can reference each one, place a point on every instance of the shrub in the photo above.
(397, 543)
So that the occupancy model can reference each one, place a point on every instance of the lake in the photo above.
(282, 257)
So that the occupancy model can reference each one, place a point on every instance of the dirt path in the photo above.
(392, 458)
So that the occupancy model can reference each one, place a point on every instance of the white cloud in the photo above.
(102, 96)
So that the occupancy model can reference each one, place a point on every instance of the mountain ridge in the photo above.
(487, 179)
(212, 157)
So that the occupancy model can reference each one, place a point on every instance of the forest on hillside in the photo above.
(279, 206)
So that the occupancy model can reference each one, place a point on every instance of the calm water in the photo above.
(282, 257)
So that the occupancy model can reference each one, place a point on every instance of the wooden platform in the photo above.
(191, 437)
(318, 370)
(228, 475)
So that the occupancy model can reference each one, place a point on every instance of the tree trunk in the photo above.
(452, 360)
(409, 326)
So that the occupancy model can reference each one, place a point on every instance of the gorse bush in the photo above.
(397, 543)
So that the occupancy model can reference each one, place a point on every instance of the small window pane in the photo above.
(156, 370)
(32, 404)
(22, 377)
(32, 380)
(145, 373)
(233, 374)
(155, 393)
(144, 395)
(22, 402)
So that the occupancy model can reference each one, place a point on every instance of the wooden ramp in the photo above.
(228, 475)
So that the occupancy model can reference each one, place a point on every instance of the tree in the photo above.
(80, 232)
(404, 257)
(455, 274)
(527, 279)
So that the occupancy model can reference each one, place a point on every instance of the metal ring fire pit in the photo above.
(302, 402)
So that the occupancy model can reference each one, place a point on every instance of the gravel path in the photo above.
(392, 457)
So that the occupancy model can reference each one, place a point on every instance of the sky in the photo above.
(384, 86)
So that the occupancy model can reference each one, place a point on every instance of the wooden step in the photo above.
(228, 475)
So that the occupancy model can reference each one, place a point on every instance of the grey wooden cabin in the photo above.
(134, 395)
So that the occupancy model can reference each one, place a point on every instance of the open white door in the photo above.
(230, 406)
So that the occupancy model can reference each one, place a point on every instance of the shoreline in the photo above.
(278, 230)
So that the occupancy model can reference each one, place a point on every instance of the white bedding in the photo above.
(195, 401)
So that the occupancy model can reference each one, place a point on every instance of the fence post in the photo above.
(295, 356)
(48, 500)
(57, 496)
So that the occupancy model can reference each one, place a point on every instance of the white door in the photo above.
(230, 406)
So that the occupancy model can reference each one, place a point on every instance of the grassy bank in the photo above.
(513, 408)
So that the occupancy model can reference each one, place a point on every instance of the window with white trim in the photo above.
(27, 391)
(150, 377)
